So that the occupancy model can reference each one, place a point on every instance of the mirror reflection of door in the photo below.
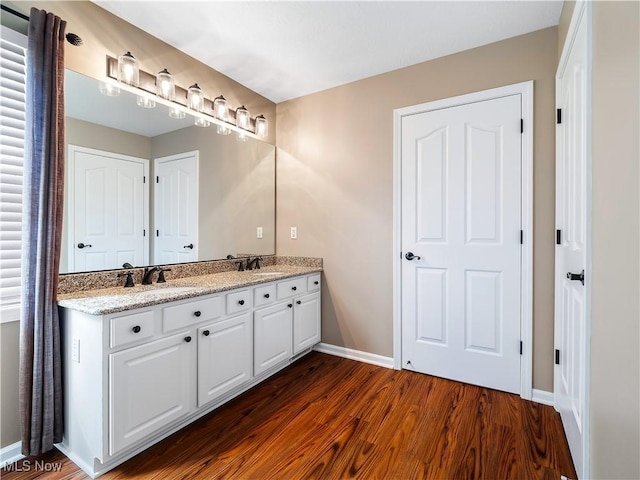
(108, 205)
(175, 219)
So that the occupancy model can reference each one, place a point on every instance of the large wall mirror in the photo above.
(145, 188)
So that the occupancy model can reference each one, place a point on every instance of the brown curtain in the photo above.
(43, 190)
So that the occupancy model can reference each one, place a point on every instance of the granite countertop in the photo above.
(117, 299)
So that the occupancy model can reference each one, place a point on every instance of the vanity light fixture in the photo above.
(165, 85)
(262, 127)
(220, 109)
(177, 112)
(195, 98)
(202, 122)
(243, 120)
(223, 130)
(108, 89)
(128, 71)
(146, 102)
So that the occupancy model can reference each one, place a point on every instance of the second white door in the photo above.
(461, 242)
(175, 219)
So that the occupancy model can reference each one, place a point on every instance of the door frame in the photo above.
(582, 12)
(525, 90)
(70, 199)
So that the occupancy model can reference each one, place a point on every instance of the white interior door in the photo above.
(461, 222)
(108, 202)
(176, 208)
(570, 374)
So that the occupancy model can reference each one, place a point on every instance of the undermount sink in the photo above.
(265, 274)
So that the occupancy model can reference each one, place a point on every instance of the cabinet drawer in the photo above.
(264, 295)
(132, 328)
(289, 288)
(313, 282)
(181, 316)
(238, 301)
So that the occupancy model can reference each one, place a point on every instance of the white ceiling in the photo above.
(284, 50)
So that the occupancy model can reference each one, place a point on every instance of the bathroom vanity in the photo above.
(140, 363)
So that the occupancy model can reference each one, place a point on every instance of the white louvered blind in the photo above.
(12, 127)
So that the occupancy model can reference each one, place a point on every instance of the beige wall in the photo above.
(615, 314)
(335, 156)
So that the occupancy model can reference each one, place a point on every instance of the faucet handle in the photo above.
(129, 281)
(240, 266)
(161, 278)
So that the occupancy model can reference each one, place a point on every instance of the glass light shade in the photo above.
(146, 102)
(177, 112)
(262, 127)
(223, 130)
(220, 109)
(108, 89)
(165, 85)
(202, 122)
(243, 120)
(128, 71)
(195, 98)
(241, 136)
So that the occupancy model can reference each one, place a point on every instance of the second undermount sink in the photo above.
(266, 274)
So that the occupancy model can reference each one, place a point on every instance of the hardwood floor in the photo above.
(330, 418)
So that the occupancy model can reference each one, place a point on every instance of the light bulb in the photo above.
(220, 109)
(128, 72)
(243, 120)
(165, 85)
(195, 98)
(262, 127)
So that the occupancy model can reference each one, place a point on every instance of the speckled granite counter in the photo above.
(117, 299)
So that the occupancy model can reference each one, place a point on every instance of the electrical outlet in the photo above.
(75, 350)
(294, 233)
(259, 232)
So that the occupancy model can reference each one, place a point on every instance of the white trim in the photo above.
(351, 354)
(543, 397)
(11, 453)
(70, 200)
(10, 313)
(525, 90)
(582, 9)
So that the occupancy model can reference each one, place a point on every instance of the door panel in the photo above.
(461, 208)
(571, 254)
(176, 208)
(108, 210)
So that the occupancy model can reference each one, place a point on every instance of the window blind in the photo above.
(12, 128)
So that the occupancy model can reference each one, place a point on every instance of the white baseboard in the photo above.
(351, 354)
(11, 453)
(544, 397)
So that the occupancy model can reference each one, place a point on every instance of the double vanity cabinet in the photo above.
(135, 376)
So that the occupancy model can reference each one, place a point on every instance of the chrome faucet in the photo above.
(147, 279)
(255, 263)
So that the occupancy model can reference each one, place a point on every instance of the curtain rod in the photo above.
(14, 12)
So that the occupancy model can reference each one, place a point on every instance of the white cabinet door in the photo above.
(224, 357)
(306, 322)
(272, 336)
(149, 387)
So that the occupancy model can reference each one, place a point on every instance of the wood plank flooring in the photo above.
(326, 417)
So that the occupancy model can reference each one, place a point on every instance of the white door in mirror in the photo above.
(109, 203)
(176, 208)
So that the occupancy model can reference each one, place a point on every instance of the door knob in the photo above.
(410, 256)
(82, 245)
(190, 246)
(576, 276)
